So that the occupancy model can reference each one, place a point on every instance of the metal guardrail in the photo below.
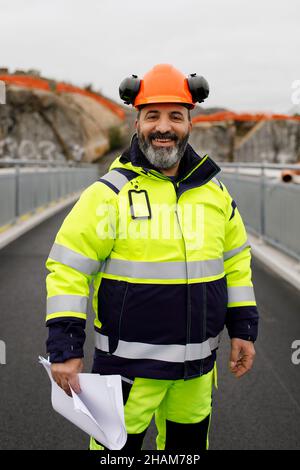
(27, 185)
(269, 207)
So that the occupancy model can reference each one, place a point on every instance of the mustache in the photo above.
(166, 135)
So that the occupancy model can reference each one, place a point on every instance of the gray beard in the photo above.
(163, 158)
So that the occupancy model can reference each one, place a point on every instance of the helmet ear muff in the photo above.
(129, 89)
(198, 87)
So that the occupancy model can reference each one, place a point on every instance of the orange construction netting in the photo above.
(28, 81)
(231, 116)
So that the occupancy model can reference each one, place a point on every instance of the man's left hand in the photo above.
(242, 356)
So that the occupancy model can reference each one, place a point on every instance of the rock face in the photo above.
(216, 140)
(273, 141)
(46, 120)
(42, 124)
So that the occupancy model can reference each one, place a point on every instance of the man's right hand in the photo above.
(66, 373)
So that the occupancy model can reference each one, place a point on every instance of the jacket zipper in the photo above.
(204, 323)
(122, 310)
(189, 303)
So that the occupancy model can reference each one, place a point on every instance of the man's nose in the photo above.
(163, 125)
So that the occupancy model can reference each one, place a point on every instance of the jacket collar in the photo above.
(193, 169)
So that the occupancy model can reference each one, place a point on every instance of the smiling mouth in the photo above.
(163, 142)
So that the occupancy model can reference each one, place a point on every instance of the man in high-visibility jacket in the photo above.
(166, 247)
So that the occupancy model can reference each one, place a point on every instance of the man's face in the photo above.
(163, 130)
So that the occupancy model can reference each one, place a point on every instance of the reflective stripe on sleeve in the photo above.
(75, 260)
(116, 178)
(159, 352)
(217, 182)
(164, 270)
(241, 294)
(66, 303)
(235, 251)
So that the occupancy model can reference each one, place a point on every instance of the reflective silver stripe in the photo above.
(210, 267)
(126, 380)
(235, 251)
(101, 342)
(214, 180)
(73, 259)
(241, 294)
(164, 270)
(160, 352)
(66, 303)
(201, 350)
(115, 178)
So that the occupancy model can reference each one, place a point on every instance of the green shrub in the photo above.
(115, 138)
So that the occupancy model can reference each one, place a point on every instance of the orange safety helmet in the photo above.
(164, 84)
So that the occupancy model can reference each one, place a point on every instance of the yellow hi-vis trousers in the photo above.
(182, 410)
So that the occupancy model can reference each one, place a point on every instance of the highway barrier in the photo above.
(27, 187)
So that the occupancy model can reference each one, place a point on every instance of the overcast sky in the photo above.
(247, 50)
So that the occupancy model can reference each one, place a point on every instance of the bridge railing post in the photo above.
(262, 201)
(17, 194)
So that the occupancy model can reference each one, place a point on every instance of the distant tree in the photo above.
(34, 72)
(89, 87)
(115, 138)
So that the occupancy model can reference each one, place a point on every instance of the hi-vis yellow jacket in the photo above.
(170, 264)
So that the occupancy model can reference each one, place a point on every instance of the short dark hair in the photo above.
(187, 107)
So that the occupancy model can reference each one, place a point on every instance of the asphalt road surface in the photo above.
(259, 411)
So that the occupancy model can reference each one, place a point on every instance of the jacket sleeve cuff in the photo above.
(65, 340)
(242, 322)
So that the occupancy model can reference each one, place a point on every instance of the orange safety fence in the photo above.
(231, 116)
(42, 84)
